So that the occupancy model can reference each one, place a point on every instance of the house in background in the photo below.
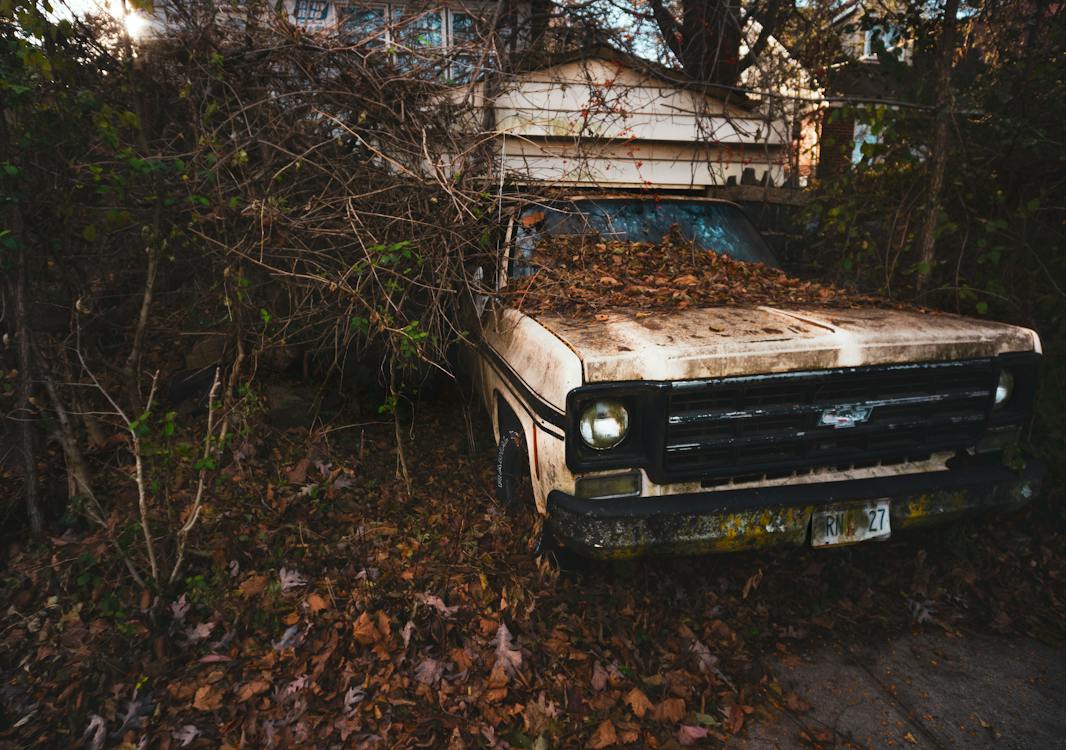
(592, 116)
(786, 92)
(860, 79)
(604, 117)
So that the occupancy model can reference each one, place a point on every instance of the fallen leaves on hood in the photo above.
(583, 275)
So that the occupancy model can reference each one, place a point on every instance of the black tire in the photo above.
(512, 468)
(514, 493)
(565, 560)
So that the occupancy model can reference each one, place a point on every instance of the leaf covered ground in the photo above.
(579, 274)
(329, 607)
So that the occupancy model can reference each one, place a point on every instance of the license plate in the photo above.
(848, 524)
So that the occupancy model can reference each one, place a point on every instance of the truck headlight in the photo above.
(1004, 388)
(604, 424)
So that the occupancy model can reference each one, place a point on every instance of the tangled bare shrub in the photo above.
(282, 190)
(334, 172)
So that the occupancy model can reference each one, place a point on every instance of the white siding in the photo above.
(602, 122)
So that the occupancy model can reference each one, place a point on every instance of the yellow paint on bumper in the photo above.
(693, 524)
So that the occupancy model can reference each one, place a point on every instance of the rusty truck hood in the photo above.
(727, 341)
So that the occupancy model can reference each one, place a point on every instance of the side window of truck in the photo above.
(524, 234)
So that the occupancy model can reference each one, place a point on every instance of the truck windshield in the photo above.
(721, 227)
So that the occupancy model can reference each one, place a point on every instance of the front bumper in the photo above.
(733, 520)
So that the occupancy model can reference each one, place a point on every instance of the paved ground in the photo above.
(921, 690)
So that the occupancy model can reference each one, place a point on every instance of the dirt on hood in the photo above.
(581, 275)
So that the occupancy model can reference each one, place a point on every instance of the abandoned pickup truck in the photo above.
(706, 429)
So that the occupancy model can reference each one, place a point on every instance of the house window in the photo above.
(426, 30)
(464, 41)
(880, 37)
(863, 135)
(441, 42)
(365, 23)
(310, 11)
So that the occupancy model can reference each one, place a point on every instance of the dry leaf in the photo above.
(253, 585)
(508, 657)
(604, 736)
(208, 698)
(538, 715)
(752, 583)
(734, 718)
(199, 632)
(179, 608)
(290, 579)
(316, 603)
(599, 677)
(185, 735)
(437, 603)
(298, 473)
(532, 218)
(638, 702)
(796, 704)
(669, 711)
(384, 626)
(365, 630)
(96, 733)
(252, 689)
(429, 671)
(689, 735)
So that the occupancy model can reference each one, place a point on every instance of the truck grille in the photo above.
(773, 424)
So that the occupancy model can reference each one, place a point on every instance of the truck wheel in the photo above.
(512, 470)
(514, 492)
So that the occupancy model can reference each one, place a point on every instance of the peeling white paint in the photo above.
(731, 341)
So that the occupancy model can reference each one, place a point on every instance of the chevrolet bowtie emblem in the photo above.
(845, 416)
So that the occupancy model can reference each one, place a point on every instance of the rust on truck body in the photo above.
(735, 531)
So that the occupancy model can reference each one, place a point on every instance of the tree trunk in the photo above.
(706, 41)
(23, 406)
(17, 295)
(710, 40)
(938, 156)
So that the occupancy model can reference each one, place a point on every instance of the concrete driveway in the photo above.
(920, 690)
